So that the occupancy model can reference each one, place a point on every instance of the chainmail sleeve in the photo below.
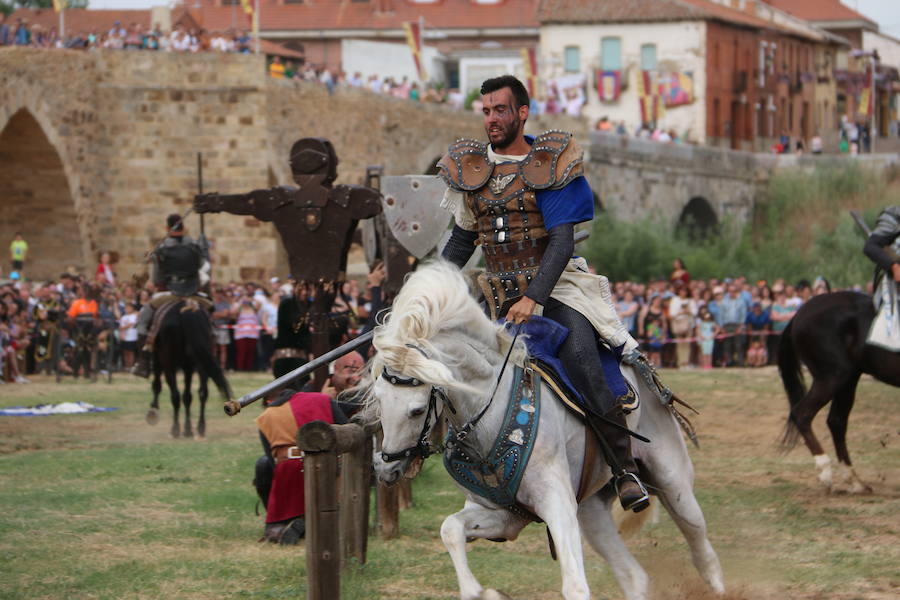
(886, 231)
(553, 263)
(460, 246)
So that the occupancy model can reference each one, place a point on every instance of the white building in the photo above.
(630, 49)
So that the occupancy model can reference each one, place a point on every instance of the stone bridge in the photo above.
(97, 147)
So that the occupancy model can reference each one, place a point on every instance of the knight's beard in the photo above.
(510, 132)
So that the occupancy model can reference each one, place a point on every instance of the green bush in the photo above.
(801, 229)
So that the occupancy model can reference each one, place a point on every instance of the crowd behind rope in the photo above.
(680, 321)
(244, 315)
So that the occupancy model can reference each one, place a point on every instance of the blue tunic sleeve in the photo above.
(571, 204)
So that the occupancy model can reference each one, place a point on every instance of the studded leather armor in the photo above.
(502, 198)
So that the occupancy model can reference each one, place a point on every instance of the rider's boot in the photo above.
(631, 492)
(141, 366)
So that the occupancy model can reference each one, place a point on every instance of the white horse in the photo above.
(438, 350)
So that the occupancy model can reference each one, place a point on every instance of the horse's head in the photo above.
(432, 347)
(409, 410)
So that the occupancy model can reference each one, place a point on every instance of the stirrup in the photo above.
(637, 504)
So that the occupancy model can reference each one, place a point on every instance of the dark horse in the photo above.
(184, 342)
(828, 335)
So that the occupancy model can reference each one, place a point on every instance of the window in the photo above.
(611, 54)
(572, 59)
(648, 57)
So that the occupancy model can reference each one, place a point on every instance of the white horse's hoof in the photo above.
(490, 594)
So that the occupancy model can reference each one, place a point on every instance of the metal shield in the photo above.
(412, 208)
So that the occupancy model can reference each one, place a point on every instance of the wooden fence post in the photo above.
(387, 504)
(321, 444)
(356, 477)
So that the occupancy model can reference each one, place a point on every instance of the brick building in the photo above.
(851, 73)
(470, 40)
(736, 73)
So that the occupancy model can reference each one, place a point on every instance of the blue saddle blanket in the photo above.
(543, 339)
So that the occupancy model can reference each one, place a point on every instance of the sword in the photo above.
(233, 407)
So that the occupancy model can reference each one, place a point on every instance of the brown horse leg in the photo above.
(802, 415)
(156, 386)
(838, 418)
(186, 398)
(203, 394)
(172, 382)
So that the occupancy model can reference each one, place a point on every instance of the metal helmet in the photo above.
(314, 156)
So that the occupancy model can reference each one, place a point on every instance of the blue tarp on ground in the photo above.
(42, 410)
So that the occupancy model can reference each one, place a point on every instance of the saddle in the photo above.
(162, 303)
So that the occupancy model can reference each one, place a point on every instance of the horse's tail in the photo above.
(792, 378)
(198, 341)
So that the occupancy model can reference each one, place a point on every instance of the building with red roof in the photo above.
(734, 73)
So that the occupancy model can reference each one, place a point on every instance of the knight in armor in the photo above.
(175, 267)
(883, 244)
(520, 198)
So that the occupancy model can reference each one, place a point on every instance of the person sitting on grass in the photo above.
(279, 474)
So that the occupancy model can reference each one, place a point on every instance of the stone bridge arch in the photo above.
(698, 219)
(41, 191)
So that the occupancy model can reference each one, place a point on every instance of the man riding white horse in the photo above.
(520, 197)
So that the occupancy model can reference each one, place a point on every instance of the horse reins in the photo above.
(423, 448)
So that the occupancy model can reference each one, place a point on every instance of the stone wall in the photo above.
(96, 148)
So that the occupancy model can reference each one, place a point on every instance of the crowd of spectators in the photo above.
(134, 36)
(680, 321)
(684, 322)
(245, 318)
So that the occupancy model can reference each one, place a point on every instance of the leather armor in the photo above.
(178, 262)
(502, 198)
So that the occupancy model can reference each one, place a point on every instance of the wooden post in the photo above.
(404, 494)
(321, 443)
(387, 509)
(356, 469)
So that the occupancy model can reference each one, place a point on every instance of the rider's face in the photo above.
(503, 121)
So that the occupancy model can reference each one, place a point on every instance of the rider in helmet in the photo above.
(175, 271)
(883, 245)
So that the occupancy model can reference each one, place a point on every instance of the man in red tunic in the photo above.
(279, 474)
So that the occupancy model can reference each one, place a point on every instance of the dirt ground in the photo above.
(778, 533)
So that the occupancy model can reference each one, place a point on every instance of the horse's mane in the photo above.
(435, 299)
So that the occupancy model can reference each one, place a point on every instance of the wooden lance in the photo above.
(233, 407)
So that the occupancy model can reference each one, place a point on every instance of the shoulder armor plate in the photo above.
(465, 167)
(555, 160)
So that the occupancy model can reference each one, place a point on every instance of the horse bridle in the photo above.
(423, 447)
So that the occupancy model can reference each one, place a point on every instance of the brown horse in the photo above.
(828, 335)
(184, 342)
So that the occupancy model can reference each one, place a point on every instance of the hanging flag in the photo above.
(676, 89)
(529, 60)
(247, 5)
(414, 39)
(59, 5)
(609, 85)
(652, 106)
(866, 97)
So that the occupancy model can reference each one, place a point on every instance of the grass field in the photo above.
(105, 506)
